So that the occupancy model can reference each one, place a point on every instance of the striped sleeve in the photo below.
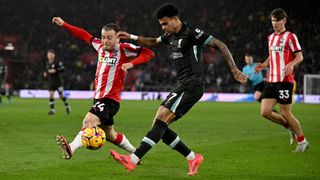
(294, 43)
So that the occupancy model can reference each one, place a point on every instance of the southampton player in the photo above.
(284, 54)
(185, 42)
(4, 86)
(114, 59)
(54, 70)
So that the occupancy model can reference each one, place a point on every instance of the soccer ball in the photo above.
(93, 138)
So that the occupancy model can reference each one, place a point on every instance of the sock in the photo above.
(76, 143)
(152, 138)
(300, 138)
(191, 156)
(51, 103)
(122, 142)
(64, 99)
(172, 139)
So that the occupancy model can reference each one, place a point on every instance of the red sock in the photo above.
(118, 139)
(300, 138)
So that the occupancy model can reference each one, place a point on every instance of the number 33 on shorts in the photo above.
(284, 94)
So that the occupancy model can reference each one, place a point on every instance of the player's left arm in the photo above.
(222, 47)
(288, 69)
(144, 56)
(294, 47)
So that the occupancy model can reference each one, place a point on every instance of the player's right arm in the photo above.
(75, 31)
(261, 66)
(145, 41)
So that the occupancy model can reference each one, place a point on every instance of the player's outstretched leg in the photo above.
(125, 160)
(66, 150)
(194, 164)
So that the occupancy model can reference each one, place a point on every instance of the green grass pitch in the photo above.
(236, 142)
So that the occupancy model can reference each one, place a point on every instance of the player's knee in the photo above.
(90, 121)
(266, 113)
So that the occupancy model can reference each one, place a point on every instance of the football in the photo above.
(93, 138)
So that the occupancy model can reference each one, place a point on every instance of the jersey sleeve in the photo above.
(164, 38)
(199, 37)
(96, 43)
(60, 67)
(131, 50)
(294, 43)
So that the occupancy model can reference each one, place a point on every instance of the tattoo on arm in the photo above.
(215, 43)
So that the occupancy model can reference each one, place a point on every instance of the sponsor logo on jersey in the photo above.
(177, 55)
(111, 61)
(277, 49)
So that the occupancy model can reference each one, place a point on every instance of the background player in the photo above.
(4, 86)
(54, 70)
(284, 54)
(114, 59)
(185, 43)
(255, 79)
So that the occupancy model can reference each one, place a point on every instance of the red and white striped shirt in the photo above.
(281, 52)
(109, 75)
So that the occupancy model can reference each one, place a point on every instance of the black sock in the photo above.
(172, 139)
(51, 103)
(64, 99)
(152, 138)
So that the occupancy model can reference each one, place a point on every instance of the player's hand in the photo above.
(45, 74)
(126, 66)
(288, 69)
(123, 35)
(239, 76)
(58, 21)
(258, 68)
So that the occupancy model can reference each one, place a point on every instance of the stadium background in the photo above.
(242, 25)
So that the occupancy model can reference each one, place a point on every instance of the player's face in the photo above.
(278, 25)
(50, 56)
(169, 25)
(109, 39)
(248, 59)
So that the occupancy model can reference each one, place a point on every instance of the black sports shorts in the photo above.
(182, 98)
(282, 91)
(105, 109)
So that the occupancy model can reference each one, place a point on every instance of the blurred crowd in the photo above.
(243, 26)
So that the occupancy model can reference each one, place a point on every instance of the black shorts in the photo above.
(259, 87)
(282, 91)
(105, 109)
(56, 86)
(182, 98)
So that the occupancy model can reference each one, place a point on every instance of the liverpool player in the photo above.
(284, 54)
(114, 59)
(54, 70)
(185, 42)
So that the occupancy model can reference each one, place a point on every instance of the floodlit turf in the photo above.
(235, 141)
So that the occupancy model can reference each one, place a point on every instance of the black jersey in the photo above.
(55, 78)
(186, 48)
(3, 69)
(3, 72)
